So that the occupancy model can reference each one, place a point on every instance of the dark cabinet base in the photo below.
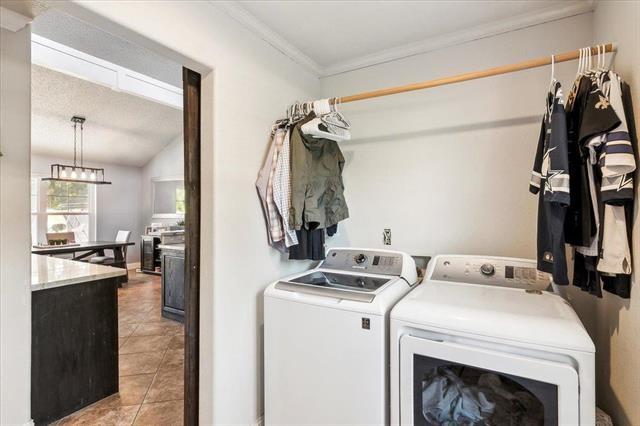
(173, 284)
(74, 352)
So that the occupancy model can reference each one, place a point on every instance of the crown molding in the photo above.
(248, 20)
(459, 37)
(13, 21)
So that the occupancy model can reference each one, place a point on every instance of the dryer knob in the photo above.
(360, 258)
(487, 269)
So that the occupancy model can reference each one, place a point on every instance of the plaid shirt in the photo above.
(273, 216)
(282, 191)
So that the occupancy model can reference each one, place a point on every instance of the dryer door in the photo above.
(449, 383)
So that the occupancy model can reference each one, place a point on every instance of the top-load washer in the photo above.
(326, 339)
(480, 341)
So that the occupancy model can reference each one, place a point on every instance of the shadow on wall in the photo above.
(612, 307)
(438, 131)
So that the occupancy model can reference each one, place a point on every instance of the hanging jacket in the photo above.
(317, 191)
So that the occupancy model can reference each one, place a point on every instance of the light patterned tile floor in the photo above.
(151, 363)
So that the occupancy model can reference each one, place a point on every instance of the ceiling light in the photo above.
(59, 171)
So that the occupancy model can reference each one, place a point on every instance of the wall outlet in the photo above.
(386, 237)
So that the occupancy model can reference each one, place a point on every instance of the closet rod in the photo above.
(533, 63)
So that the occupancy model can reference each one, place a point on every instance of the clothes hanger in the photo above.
(322, 126)
(553, 73)
(579, 64)
(336, 118)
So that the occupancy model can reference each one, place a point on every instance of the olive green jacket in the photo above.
(317, 191)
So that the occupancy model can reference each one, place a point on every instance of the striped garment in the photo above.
(282, 190)
(274, 218)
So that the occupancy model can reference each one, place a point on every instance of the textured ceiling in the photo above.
(67, 30)
(333, 32)
(120, 128)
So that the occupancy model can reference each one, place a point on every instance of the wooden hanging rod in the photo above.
(533, 63)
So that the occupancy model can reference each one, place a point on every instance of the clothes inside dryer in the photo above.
(341, 281)
(451, 393)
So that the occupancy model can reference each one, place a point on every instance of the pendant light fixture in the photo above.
(77, 173)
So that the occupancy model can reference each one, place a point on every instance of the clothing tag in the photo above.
(548, 257)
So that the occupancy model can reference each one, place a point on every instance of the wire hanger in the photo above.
(553, 73)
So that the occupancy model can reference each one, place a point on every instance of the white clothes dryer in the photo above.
(481, 341)
(326, 337)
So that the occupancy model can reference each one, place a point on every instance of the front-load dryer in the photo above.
(326, 335)
(481, 341)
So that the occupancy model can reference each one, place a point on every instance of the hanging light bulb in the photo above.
(83, 175)
(74, 175)
(92, 176)
(63, 173)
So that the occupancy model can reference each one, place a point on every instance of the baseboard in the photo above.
(133, 266)
(259, 422)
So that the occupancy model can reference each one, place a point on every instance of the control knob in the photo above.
(487, 269)
(360, 258)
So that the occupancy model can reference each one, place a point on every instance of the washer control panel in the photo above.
(372, 262)
(495, 271)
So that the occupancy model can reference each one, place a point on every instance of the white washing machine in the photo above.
(326, 335)
(480, 340)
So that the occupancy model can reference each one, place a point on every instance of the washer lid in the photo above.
(335, 280)
(359, 288)
(538, 318)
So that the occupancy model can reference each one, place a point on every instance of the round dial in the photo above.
(487, 269)
(360, 258)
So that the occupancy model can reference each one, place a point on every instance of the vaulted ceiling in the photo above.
(120, 128)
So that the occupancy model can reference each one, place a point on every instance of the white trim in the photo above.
(153, 197)
(253, 24)
(459, 37)
(13, 21)
(64, 59)
(552, 13)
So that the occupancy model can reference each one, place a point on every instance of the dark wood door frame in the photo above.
(191, 82)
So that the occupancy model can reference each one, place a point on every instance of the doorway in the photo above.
(138, 330)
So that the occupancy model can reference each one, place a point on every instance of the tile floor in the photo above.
(151, 363)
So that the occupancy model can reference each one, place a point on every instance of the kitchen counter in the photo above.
(50, 272)
(74, 335)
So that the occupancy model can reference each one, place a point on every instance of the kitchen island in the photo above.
(74, 333)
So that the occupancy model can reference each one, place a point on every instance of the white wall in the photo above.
(448, 169)
(250, 86)
(118, 206)
(15, 241)
(618, 336)
(167, 163)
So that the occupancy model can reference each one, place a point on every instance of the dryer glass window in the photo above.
(344, 281)
(448, 393)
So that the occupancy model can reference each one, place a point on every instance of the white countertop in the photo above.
(49, 272)
(171, 246)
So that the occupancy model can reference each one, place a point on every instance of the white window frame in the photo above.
(42, 214)
(154, 215)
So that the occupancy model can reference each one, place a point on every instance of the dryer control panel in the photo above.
(372, 262)
(494, 271)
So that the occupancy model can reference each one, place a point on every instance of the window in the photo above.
(168, 197)
(180, 200)
(62, 207)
